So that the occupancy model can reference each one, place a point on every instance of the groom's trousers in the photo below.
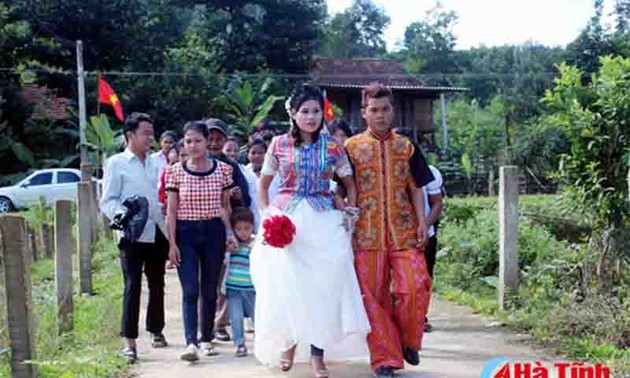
(396, 290)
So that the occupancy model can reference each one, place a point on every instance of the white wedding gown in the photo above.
(308, 293)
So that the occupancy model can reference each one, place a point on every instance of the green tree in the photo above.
(14, 33)
(474, 129)
(430, 43)
(476, 137)
(592, 43)
(25, 142)
(595, 118)
(538, 145)
(622, 12)
(250, 35)
(521, 73)
(118, 36)
(620, 40)
(356, 32)
(116, 33)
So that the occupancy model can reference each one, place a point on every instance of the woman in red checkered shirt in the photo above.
(199, 230)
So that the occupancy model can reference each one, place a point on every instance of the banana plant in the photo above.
(249, 104)
(468, 169)
(102, 139)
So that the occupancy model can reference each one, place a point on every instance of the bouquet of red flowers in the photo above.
(279, 231)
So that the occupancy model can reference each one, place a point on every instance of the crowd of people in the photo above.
(354, 282)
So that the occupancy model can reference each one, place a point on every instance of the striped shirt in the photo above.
(238, 277)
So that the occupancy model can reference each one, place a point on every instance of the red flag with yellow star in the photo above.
(329, 112)
(106, 95)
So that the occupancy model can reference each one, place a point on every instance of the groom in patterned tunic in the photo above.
(390, 234)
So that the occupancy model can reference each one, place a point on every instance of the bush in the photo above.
(600, 317)
(472, 246)
(553, 212)
(458, 213)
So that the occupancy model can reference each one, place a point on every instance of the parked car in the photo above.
(51, 184)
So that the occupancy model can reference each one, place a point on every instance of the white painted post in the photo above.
(508, 232)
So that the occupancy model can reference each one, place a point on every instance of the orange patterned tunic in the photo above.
(383, 176)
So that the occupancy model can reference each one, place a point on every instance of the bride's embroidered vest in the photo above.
(382, 175)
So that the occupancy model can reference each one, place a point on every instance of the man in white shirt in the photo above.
(129, 173)
(432, 193)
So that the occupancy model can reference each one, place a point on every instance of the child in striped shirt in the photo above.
(240, 292)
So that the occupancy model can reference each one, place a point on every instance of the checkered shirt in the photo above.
(199, 192)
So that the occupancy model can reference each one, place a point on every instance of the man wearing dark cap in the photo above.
(239, 198)
(217, 139)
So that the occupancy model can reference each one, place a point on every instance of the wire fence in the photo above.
(463, 75)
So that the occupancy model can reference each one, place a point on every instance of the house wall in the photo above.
(423, 114)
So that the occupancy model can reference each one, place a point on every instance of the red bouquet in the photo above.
(279, 231)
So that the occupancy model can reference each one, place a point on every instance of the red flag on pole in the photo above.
(329, 113)
(106, 95)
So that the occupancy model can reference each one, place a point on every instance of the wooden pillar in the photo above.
(46, 236)
(355, 114)
(94, 220)
(84, 239)
(17, 276)
(63, 265)
(444, 131)
(32, 242)
(508, 232)
(410, 118)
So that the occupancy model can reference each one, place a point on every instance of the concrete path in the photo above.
(460, 345)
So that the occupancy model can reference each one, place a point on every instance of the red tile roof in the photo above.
(357, 73)
(362, 72)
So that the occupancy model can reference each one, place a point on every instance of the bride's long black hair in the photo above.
(299, 95)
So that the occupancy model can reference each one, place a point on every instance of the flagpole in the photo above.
(98, 102)
(86, 171)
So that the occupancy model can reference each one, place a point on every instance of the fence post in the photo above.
(32, 242)
(17, 275)
(84, 218)
(95, 224)
(107, 232)
(46, 237)
(63, 265)
(508, 232)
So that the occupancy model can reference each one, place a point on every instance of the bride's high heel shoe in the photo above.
(319, 373)
(287, 358)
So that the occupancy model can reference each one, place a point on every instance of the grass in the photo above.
(479, 304)
(573, 347)
(91, 350)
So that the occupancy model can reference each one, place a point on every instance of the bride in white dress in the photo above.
(307, 294)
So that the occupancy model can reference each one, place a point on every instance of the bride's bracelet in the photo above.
(352, 210)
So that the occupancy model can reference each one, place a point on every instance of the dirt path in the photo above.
(460, 345)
